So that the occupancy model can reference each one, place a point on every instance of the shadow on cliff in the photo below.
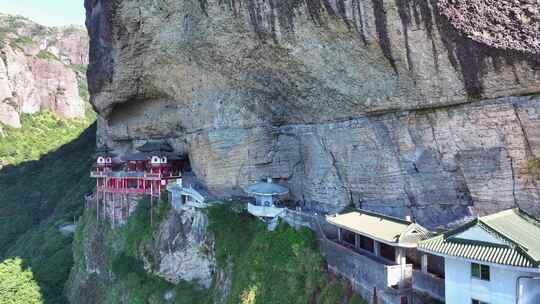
(36, 198)
(469, 58)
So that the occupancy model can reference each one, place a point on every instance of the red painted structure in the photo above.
(146, 172)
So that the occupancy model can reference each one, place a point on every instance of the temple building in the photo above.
(145, 172)
(493, 259)
(377, 253)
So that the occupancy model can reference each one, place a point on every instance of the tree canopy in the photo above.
(17, 285)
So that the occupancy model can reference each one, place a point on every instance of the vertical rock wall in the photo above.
(384, 104)
(38, 69)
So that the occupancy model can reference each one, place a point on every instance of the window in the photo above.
(367, 243)
(475, 301)
(480, 271)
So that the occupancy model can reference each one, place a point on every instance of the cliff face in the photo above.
(384, 104)
(40, 69)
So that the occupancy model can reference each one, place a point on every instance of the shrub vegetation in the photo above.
(283, 266)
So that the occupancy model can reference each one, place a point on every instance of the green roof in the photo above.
(517, 234)
(156, 146)
(386, 229)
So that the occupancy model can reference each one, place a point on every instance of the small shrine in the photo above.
(266, 196)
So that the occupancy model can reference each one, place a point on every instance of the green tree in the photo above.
(17, 286)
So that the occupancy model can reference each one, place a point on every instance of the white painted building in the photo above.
(186, 196)
(491, 260)
(265, 194)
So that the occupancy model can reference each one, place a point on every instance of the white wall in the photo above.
(479, 234)
(461, 287)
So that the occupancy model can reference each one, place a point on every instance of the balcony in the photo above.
(366, 270)
(139, 191)
(129, 175)
(429, 284)
(95, 174)
(265, 211)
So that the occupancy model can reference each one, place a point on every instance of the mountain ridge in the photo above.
(40, 69)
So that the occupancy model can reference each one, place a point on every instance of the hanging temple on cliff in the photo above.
(385, 258)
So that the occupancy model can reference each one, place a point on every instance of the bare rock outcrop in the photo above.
(384, 104)
(38, 69)
(185, 248)
(505, 24)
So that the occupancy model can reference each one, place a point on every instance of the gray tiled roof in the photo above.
(518, 234)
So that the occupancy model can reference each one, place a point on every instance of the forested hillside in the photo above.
(44, 155)
(37, 197)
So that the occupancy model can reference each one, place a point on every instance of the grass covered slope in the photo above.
(284, 266)
(40, 193)
(262, 267)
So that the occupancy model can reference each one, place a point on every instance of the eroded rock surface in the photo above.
(377, 103)
(38, 69)
(506, 24)
(185, 248)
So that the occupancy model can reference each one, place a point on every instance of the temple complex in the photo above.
(143, 173)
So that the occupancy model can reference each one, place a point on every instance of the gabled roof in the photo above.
(519, 236)
(390, 230)
(142, 156)
(156, 146)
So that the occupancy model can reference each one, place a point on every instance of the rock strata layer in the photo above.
(385, 105)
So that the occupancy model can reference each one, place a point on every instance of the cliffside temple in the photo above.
(386, 259)
(146, 172)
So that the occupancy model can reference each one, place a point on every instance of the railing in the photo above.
(193, 193)
(129, 190)
(264, 211)
(429, 284)
(130, 175)
(366, 268)
(95, 174)
(399, 276)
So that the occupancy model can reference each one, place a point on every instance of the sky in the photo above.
(47, 12)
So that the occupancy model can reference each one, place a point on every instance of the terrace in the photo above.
(375, 252)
